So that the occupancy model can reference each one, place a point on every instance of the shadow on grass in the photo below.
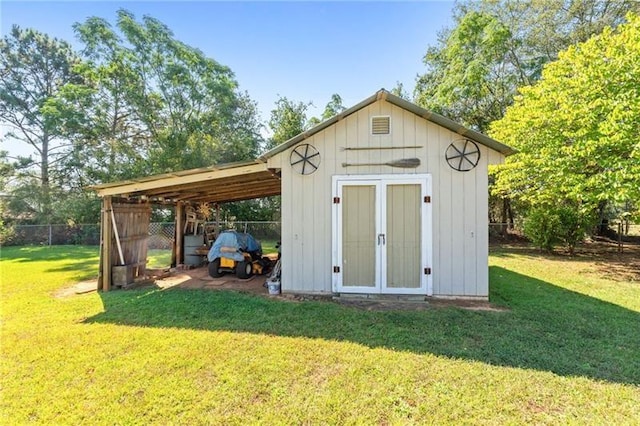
(547, 328)
(87, 266)
(52, 253)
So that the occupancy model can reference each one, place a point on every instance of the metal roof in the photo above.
(383, 94)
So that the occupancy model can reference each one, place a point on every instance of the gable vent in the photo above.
(380, 125)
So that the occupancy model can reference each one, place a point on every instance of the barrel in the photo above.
(191, 243)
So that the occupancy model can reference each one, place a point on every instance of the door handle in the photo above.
(381, 237)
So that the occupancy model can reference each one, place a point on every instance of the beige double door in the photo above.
(382, 234)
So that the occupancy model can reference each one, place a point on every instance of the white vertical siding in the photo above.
(460, 235)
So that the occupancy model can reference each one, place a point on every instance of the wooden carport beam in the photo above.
(107, 234)
(244, 179)
(133, 187)
(232, 191)
(230, 198)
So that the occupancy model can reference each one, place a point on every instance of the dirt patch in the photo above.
(611, 263)
(470, 305)
(81, 287)
(603, 253)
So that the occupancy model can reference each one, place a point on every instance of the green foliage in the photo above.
(576, 130)
(399, 91)
(7, 230)
(33, 69)
(463, 80)
(333, 107)
(497, 46)
(262, 209)
(158, 105)
(548, 226)
(541, 228)
(140, 103)
(288, 119)
(79, 207)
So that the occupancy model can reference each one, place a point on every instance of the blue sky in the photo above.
(303, 50)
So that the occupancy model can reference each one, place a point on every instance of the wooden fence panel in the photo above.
(132, 225)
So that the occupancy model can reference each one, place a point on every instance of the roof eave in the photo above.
(451, 125)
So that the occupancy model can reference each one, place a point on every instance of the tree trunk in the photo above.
(44, 180)
(509, 213)
(603, 223)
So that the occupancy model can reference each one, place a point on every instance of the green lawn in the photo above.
(565, 351)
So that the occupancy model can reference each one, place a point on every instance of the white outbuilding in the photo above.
(386, 198)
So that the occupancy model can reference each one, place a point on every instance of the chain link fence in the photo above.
(161, 234)
(53, 235)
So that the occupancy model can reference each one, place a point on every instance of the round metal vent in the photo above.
(305, 159)
(462, 155)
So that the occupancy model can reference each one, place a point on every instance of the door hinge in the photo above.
(336, 269)
(427, 198)
(336, 200)
(427, 271)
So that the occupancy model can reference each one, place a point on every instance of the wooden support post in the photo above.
(173, 241)
(100, 265)
(179, 232)
(106, 246)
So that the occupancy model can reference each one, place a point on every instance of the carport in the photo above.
(126, 209)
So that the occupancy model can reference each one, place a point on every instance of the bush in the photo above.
(541, 228)
(548, 226)
(7, 232)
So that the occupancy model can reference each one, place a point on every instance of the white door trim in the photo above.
(337, 235)
(381, 182)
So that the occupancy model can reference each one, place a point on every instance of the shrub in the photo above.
(541, 228)
(548, 226)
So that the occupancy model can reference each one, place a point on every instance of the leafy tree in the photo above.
(400, 92)
(576, 129)
(6, 172)
(111, 140)
(287, 120)
(243, 139)
(33, 69)
(333, 107)
(467, 80)
(157, 104)
(497, 46)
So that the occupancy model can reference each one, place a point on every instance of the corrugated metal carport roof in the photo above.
(216, 184)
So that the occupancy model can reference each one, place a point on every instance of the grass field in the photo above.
(565, 350)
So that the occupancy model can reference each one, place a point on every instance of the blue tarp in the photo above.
(238, 242)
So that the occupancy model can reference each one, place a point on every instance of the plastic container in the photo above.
(274, 287)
